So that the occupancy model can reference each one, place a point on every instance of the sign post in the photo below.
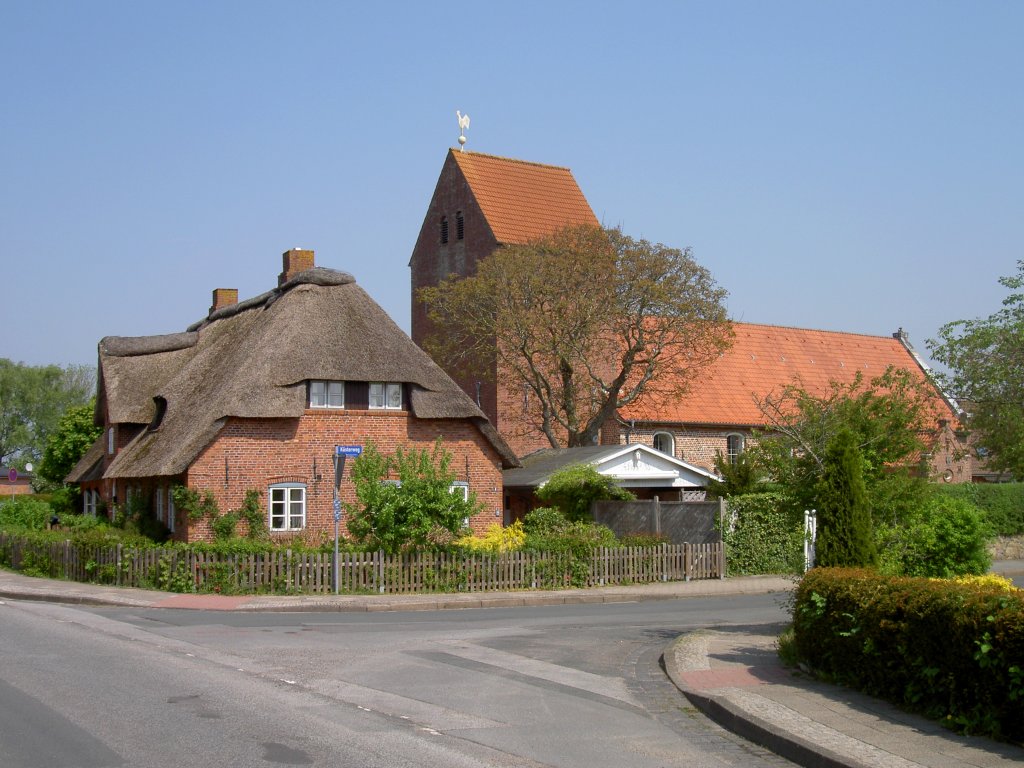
(341, 452)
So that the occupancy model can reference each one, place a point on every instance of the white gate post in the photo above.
(810, 537)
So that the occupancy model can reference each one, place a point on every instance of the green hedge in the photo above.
(763, 533)
(952, 651)
(1003, 503)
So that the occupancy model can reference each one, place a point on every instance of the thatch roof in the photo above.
(252, 360)
(90, 466)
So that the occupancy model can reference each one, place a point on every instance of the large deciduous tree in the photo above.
(587, 320)
(32, 401)
(889, 418)
(73, 436)
(985, 357)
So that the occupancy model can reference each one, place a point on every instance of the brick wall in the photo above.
(256, 453)
(695, 446)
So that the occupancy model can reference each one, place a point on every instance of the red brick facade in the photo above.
(257, 453)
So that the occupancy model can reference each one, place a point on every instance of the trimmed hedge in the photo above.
(952, 651)
(764, 533)
(1003, 503)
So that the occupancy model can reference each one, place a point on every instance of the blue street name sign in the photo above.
(348, 450)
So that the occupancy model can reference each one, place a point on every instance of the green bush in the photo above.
(947, 536)
(544, 520)
(1002, 503)
(24, 512)
(764, 533)
(575, 488)
(405, 500)
(950, 650)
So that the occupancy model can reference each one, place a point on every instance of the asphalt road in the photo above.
(571, 686)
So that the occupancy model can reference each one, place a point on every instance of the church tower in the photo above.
(482, 202)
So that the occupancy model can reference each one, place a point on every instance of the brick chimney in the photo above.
(294, 261)
(223, 297)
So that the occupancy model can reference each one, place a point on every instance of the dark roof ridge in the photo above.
(315, 276)
(130, 346)
(510, 159)
(740, 323)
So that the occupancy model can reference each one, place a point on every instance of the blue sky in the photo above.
(846, 166)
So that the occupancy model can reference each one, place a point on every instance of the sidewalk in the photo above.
(732, 674)
(18, 586)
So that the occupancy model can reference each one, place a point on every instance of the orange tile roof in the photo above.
(523, 201)
(765, 358)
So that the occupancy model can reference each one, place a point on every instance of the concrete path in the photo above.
(732, 675)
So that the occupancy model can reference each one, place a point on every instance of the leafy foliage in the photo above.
(574, 488)
(986, 362)
(740, 476)
(944, 537)
(1002, 503)
(74, 435)
(588, 320)
(950, 650)
(888, 417)
(24, 512)
(763, 533)
(844, 517)
(413, 511)
(32, 400)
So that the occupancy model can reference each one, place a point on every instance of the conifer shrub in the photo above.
(844, 515)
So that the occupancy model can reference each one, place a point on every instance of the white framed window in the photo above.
(110, 440)
(733, 447)
(89, 499)
(287, 507)
(326, 394)
(160, 503)
(386, 395)
(664, 442)
(460, 488)
(170, 509)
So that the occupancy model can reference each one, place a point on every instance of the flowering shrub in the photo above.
(496, 539)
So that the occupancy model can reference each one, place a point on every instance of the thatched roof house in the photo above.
(244, 374)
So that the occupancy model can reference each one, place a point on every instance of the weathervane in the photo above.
(463, 125)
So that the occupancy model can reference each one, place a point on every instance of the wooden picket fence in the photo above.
(284, 571)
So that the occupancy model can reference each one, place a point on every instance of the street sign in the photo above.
(337, 510)
(348, 450)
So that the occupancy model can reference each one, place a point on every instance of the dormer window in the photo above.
(460, 226)
(385, 395)
(326, 394)
(161, 409)
(444, 230)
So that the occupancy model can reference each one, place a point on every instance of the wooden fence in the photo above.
(285, 571)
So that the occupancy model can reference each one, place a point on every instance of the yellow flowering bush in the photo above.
(496, 539)
(988, 580)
